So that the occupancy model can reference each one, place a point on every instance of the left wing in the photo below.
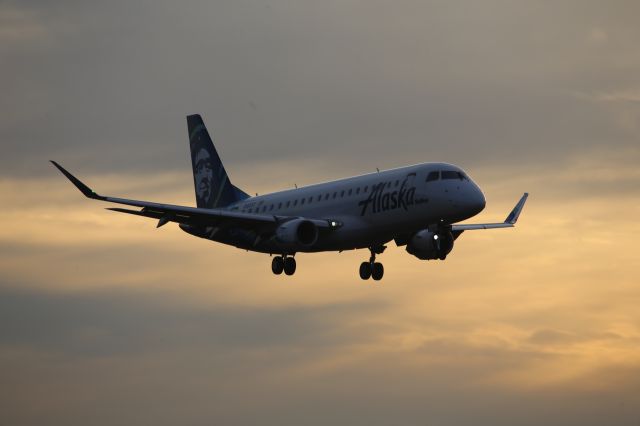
(191, 215)
(509, 222)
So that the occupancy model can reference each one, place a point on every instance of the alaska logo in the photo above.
(381, 201)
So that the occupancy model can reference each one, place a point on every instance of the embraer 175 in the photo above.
(416, 206)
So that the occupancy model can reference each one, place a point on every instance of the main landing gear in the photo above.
(283, 263)
(372, 269)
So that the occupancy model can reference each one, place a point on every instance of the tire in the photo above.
(289, 266)
(365, 270)
(377, 271)
(277, 265)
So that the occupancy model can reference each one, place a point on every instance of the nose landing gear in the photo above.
(372, 269)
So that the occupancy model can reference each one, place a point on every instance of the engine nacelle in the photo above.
(297, 233)
(426, 244)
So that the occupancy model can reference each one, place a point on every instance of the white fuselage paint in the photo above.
(369, 214)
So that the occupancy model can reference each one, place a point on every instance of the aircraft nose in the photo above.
(477, 202)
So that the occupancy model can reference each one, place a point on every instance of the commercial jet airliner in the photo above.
(415, 206)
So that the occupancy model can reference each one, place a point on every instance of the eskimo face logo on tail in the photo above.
(381, 201)
(204, 167)
(203, 171)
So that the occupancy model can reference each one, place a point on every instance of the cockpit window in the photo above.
(449, 174)
(433, 176)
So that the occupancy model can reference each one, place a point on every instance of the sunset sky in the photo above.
(105, 319)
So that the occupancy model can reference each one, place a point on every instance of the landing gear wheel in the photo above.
(372, 269)
(365, 270)
(289, 265)
(377, 271)
(277, 265)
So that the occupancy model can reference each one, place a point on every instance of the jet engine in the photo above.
(426, 244)
(297, 233)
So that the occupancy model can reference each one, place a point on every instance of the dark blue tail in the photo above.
(213, 188)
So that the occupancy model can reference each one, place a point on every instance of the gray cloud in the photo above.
(108, 85)
(133, 356)
(112, 323)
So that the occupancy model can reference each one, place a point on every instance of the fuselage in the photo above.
(370, 209)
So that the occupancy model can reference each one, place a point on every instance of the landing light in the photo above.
(435, 237)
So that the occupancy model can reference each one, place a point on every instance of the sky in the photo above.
(105, 319)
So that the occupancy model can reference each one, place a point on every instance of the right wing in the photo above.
(192, 215)
(509, 222)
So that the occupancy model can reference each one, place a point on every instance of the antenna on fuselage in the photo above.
(378, 170)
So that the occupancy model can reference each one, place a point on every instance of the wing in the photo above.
(191, 215)
(509, 222)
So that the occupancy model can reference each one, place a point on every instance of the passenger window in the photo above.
(350, 191)
(310, 199)
(288, 203)
(280, 205)
(271, 208)
(319, 197)
(326, 197)
(342, 194)
(357, 190)
(397, 182)
(295, 202)
(448, 174)
(334, 195)
(365, 188)
(433, 176)
(302, 201)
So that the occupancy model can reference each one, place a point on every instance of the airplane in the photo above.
(417, 206)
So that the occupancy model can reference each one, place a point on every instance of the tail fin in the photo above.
(212, 185)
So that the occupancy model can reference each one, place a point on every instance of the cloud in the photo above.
(378, 85)
(160, 358)
(111, 323)
(20, 26)
(102, 316)
(546, 337)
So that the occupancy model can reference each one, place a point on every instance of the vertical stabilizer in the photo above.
(212, 185)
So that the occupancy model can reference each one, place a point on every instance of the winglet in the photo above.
(74, 180)
(515, 213)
